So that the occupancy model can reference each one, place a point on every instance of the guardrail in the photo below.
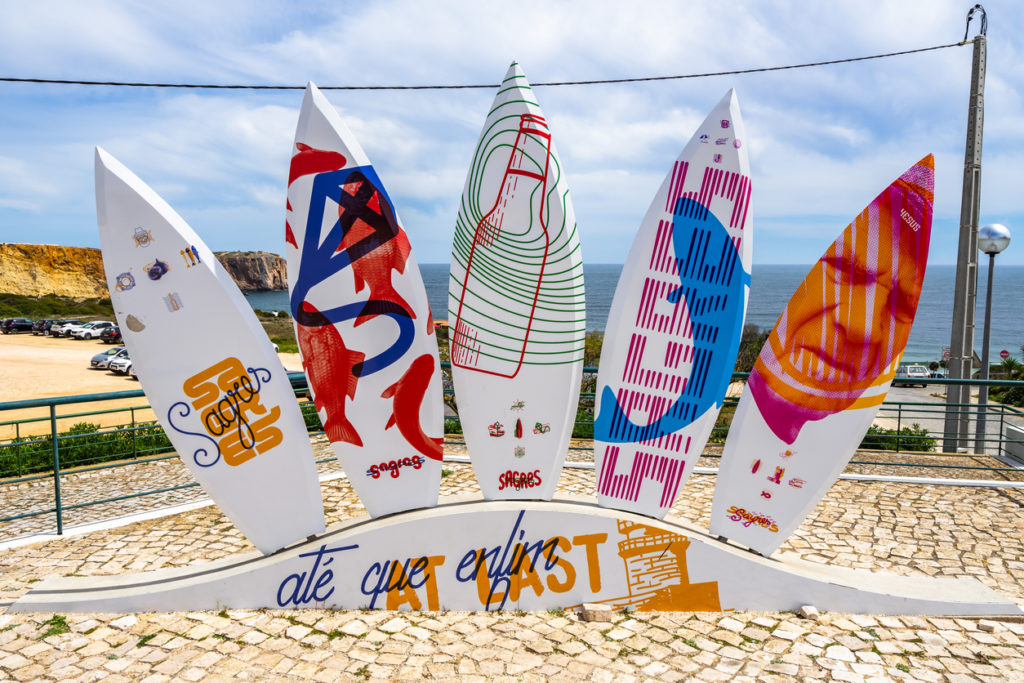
(903, 439)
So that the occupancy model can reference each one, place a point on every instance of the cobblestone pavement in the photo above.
(167, 476)
(897, 528)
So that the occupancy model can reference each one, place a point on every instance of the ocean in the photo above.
(771, 288)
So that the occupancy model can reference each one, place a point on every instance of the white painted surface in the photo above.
(675, 321)
(576, 553)
(385, 424)
(825, 369)
(206, 365)
(516, 302)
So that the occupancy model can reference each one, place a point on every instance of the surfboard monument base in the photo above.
(470, 554)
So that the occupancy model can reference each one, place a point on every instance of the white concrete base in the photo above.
(469, 554)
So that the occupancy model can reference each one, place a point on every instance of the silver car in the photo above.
(101, 361)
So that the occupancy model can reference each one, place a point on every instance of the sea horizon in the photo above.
(772, 285)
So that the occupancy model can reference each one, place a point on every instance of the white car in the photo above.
(120, 366)
(88, 330)
(910, 373)
(57, 329)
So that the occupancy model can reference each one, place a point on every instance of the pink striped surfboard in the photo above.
(675, 322)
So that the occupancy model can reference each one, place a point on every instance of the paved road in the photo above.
(932, 416)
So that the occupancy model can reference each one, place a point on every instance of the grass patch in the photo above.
(363, 671)
(446, 473)
(58, 624)
(53, 306)
(285, 344)
(904, 668)
(145, 639)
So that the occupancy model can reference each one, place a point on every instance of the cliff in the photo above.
(254, 271)
(38, 269)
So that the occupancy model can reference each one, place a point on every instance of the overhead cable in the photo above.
(213, 86)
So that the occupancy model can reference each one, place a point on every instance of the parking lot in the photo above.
(42, 367)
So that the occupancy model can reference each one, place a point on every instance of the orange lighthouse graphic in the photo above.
(656, 572)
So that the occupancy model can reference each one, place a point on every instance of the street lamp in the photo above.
(992, 239)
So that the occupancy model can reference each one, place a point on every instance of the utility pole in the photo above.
(956, 433)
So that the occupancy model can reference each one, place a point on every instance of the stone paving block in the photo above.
(885, 517)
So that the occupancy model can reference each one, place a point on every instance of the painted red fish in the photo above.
(408, 393)
(381, 245)
(306, 161)
(328, 364)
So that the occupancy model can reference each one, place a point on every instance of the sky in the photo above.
(824, 141)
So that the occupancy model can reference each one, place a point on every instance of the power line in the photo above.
(210, 86)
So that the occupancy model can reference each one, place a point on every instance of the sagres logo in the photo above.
(233, 418)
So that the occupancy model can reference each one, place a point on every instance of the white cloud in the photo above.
(824, 140)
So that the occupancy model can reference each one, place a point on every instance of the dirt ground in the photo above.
(43, 367)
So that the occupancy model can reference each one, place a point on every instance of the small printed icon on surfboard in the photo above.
(516, 305)
(207, 367)
(362, 319)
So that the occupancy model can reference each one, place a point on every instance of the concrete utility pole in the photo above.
(961, 345)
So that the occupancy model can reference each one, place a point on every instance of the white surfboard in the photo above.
(206, 365)
(362, 318)
(826, 368)
(516, 306)
(675, 322)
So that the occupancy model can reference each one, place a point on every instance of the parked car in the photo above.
(88, 330)
(131, 372)
(39, 326)
(910, 373)
(120, 366)
(58, 328)
(16, 325)
(49, 324)
(111, 335)
(101, 361)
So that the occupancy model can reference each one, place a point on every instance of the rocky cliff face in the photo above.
(255, 271)
(38, 269)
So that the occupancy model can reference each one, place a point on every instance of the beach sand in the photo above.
(33, 367)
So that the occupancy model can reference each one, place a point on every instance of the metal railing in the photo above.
(42, 451)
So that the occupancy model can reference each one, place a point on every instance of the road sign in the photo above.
(945, 353)
(1004, 354)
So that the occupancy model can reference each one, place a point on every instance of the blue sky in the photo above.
(823, 141)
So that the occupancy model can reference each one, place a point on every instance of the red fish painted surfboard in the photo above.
(826, 368)
(362, 319)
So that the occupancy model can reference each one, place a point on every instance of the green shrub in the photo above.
(1011, 396)
(913, 438)
(310, 417)
(83, 444)
(722, 424)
